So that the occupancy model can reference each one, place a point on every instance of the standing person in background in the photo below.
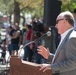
(15, 39)
(3, 47)
(64, 60)
(8, 39)
(28, 52)
(40, 31)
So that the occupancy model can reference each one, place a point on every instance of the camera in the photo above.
(38, 27)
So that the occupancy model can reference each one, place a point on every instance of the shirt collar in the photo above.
(64, 34)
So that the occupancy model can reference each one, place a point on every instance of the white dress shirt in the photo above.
(64, 35)
(62, 38)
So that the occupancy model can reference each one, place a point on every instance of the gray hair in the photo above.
(67, 16)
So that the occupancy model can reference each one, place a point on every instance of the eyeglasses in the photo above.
(58, 20)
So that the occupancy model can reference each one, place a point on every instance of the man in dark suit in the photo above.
(64, 60)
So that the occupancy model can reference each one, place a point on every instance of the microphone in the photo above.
(48, 33)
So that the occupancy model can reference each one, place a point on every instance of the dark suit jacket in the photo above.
(64, 61)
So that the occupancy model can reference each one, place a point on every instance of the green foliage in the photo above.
(68, 5)
(35, 7)
(6, 6)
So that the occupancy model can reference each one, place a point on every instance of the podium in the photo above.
(20, 67)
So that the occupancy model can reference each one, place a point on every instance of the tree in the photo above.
(68, 5)
(21, 5)
(35, 7)
(17, 6)
(16, 12)
(6, 7)
(27, 4)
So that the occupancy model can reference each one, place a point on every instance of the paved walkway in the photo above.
(5, 68)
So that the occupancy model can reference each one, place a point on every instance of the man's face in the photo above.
(60, 24)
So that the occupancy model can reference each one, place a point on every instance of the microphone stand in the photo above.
(31, 42)
(47, 33)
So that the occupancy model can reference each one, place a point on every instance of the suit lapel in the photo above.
(61, 45)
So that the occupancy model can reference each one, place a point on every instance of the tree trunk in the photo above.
(23, 20)
(16, 12)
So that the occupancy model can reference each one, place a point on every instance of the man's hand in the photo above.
(43, 51)
(45, 67)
